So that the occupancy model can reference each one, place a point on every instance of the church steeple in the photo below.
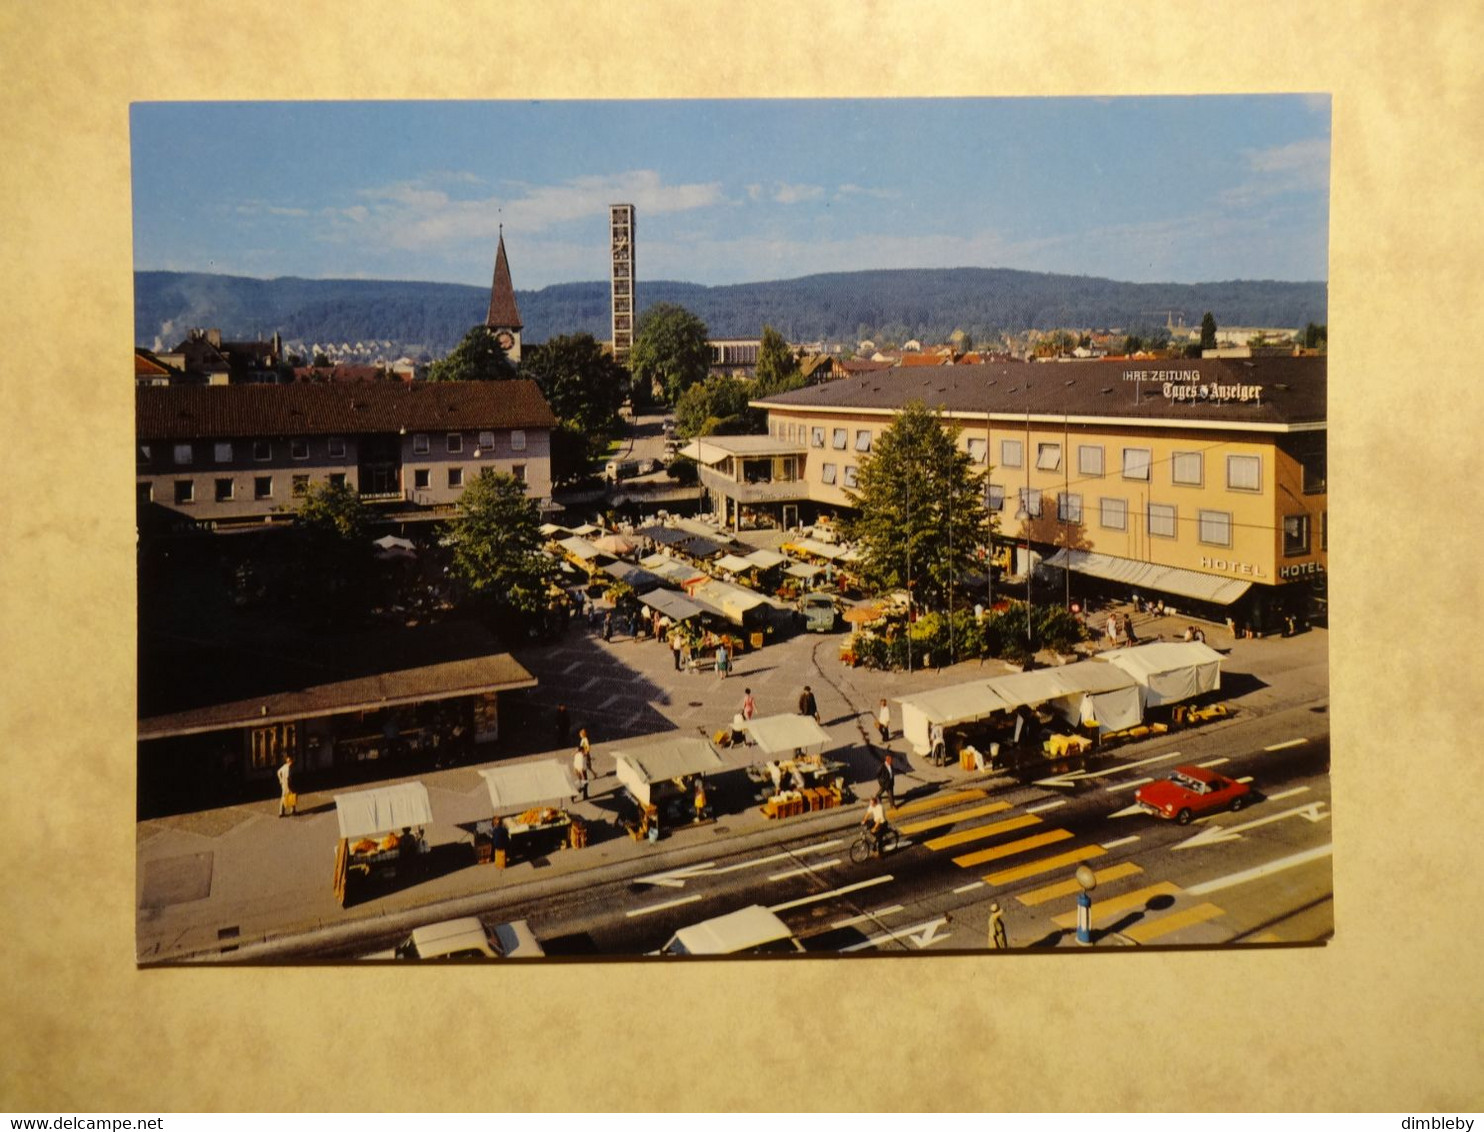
(504, 315)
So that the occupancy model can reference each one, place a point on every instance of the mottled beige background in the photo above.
(1387, 1017)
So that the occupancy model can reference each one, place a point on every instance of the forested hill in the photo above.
(844, 306)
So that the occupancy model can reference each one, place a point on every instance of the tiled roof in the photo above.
(303, 409)
(1292, 390)
(503, 311)
(147, 365)
(925, 360)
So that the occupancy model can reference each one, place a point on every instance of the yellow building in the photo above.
(1198, 482)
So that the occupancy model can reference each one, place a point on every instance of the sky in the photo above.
(1178, 189)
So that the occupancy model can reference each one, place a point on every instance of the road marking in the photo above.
(950, 819)
(948, 840)
(1261, 870)
(1128, 811)
(883, 879)
(1285, 746)
(807, 869)
(1046, 806)
(1071, 778)
(970, 887)
(1108, 910)
(1131, 785)
(676, 878)
(1045, 865)
(1025, 844)
(662, 907)
(923, 935)
(938, 802)
(1068, 887)
(1153, 929)
(1286, 794)
(1120, 841)
(1213, 762)
(1215, 834)
(876, 915)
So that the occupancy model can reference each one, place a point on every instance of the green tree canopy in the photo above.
(1208, 331)
(1316, 336)
(334, 511)
(584, 387)
(331, 558)
(495, 546)
(777, 368)
(671, 350)
(479, 357)
(921, 507)
(716, 406)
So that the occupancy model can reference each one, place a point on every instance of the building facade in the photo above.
(621, 243)
(239, 454)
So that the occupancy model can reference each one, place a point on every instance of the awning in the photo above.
(777, 733)
(801, 570)
(639, 768)
(671, 604)
(387, 808)
(766, 559)
(580, 548)
(1170, 671)
(734, 564)
(1149, 576)
(526, 784)
(631, 575)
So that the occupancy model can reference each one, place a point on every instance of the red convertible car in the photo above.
(1191, 791)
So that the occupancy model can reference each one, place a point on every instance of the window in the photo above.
(1030, 503)
(816, 437)
(1069, 507)
(301, 486)
(420, 446)
(1316, 471)
(1010, 453)
(262, 487)
(827, 472)
(863, 440)
(455, 442)
(1187, 469)
(185, 491)
(420, 477)
(486, 442)
(262, 450)
(1048, 457)
(519, 472)
(1244, 473)
(1113, 514)
(144, 492)
(1162, 520)
(1295, 535)
(336, 445)
(184, 454)
(1090, 459)
(222, 450)
(1136, 463)
(850, 474)
(978, 449)
(337, 479)
(142, 454)
(1324, 530)
(1216, 528)
(839, 438)
(224, 490)
(299, 449)
(994, 497)
(517, 440)
(455, 477)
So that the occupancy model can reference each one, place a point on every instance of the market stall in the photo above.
(946, 707)
(382, 835)
(1169, 671)
(665, 781)
(795, 773)
(530, 795)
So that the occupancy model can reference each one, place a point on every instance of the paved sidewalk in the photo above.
(234, 880)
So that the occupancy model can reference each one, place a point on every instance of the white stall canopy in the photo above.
(766, 559)
(369, 812)
(526, 784)
(776, 734)
(1169, 671)
(641, 767)
(671, 604)
(958, 703)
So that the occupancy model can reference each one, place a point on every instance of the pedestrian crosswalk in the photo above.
(1021, 846)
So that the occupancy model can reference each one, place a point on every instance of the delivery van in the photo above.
(753, 930)
(621, 469)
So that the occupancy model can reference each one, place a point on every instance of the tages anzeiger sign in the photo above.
(1186, 385)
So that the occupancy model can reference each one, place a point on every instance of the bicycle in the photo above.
(864, 846)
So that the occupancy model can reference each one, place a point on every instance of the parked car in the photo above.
(819, 612)
(1191, 791)
(467, 938)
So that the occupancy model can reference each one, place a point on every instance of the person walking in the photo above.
(582, 762)
(998, 939)
(807, 706)
(608, 627)
(883, 722)
(749, 705)
(937, 744)
(1128, 630)
(288, 801)
(1111, 629)
(886, 779)
(723, 660)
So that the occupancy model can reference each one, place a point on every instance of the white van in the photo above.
(753, 930)
(467, 938)
(621, 469)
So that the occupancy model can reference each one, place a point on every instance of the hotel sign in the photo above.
(1186, 385)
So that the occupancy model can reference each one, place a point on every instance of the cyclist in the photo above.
(875, 823)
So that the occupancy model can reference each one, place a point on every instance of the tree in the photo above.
(1316, 336)
(331, 560)
(672, 350)
(717, 406)
(584, 387)
(922, 514)
(1208, 331)
(479, 357)
(777, 368)
(495, 546)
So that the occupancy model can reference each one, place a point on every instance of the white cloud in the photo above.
(1298, 167)
(860, 190)
(796, 194)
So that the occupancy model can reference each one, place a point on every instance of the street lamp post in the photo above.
(1088, 881)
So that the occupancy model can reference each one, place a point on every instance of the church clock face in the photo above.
(505, 339)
